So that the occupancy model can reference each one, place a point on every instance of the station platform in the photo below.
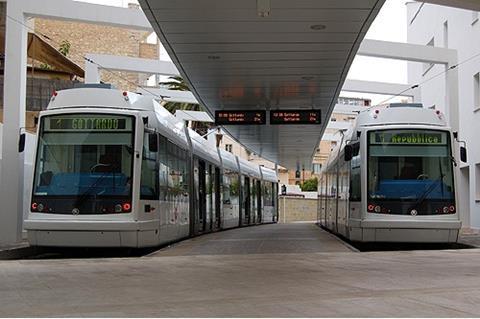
(290, 270)
(295, 238)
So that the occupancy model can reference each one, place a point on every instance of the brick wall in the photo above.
(294, 209)
(90, 38)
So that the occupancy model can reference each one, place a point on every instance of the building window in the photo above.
(474, 17)
(317, 168)
(445, 34)
(428, 66)
(228, 147)
(476, 91)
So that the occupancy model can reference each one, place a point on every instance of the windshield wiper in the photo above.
(424, 195)
(85, 194)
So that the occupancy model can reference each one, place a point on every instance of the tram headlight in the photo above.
(118, 208)
(378, 209)
(370, 207)
(40, 207)
(451, 208)
(34, 207)
(446, 210)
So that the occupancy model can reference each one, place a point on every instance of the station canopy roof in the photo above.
(265, 55)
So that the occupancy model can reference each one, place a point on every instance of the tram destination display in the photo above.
(88, 123)
(303, 117)
(240, 117)
(409, 138)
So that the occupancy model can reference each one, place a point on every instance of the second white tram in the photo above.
(116, 169)
(392, 179)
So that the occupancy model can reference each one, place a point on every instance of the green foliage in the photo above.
(65, 47)
(234, 187)
(45, 66)
(177, 83)
(310, 185)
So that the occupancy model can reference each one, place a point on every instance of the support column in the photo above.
(14, 92)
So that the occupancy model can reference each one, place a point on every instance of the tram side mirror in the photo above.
(153, 142)
(21, 143)
(348, 153)
(463, 154)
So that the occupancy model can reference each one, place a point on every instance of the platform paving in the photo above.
(262, 239)
(288, 281)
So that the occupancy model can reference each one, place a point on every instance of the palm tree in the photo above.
(177, 83)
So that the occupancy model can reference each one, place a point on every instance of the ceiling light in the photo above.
(318, 27)
(263, 8)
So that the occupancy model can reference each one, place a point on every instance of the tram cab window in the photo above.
(410, 166)
(71, 156)
(149, 181)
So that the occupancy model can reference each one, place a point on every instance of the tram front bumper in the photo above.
(425, 231)
(61, 233)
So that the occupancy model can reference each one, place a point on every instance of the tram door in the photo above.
(202, 197)
(259, 202)
(217, 198)
(209, 198)
(246, 200)
(253, 201)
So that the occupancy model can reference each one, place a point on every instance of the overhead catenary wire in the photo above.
(415, 86)
(89, 60)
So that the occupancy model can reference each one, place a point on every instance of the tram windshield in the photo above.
(410, 172)
(82, 158)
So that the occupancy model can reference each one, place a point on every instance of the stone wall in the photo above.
(91, 38)
(294, 209)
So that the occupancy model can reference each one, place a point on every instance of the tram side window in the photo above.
(268, 193)
(355, 192)
(234, 189)
(149, 186)
(163, 168)
(177, 171)
(230, 187)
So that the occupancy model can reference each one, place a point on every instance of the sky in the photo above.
(390, 25)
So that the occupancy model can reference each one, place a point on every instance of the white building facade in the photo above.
(457, 29)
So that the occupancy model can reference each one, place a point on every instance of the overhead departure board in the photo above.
(295, 117)
(240, 117)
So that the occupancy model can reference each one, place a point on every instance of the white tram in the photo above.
(115, 169)
(392, 179)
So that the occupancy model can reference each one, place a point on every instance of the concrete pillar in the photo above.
(11, 179)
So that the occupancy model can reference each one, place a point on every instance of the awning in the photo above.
(40, 50)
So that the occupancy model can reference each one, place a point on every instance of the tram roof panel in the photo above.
(202, 148)
(269, 174)
(294, 57)
(247, 168)
(404, 115)
(229, 161)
